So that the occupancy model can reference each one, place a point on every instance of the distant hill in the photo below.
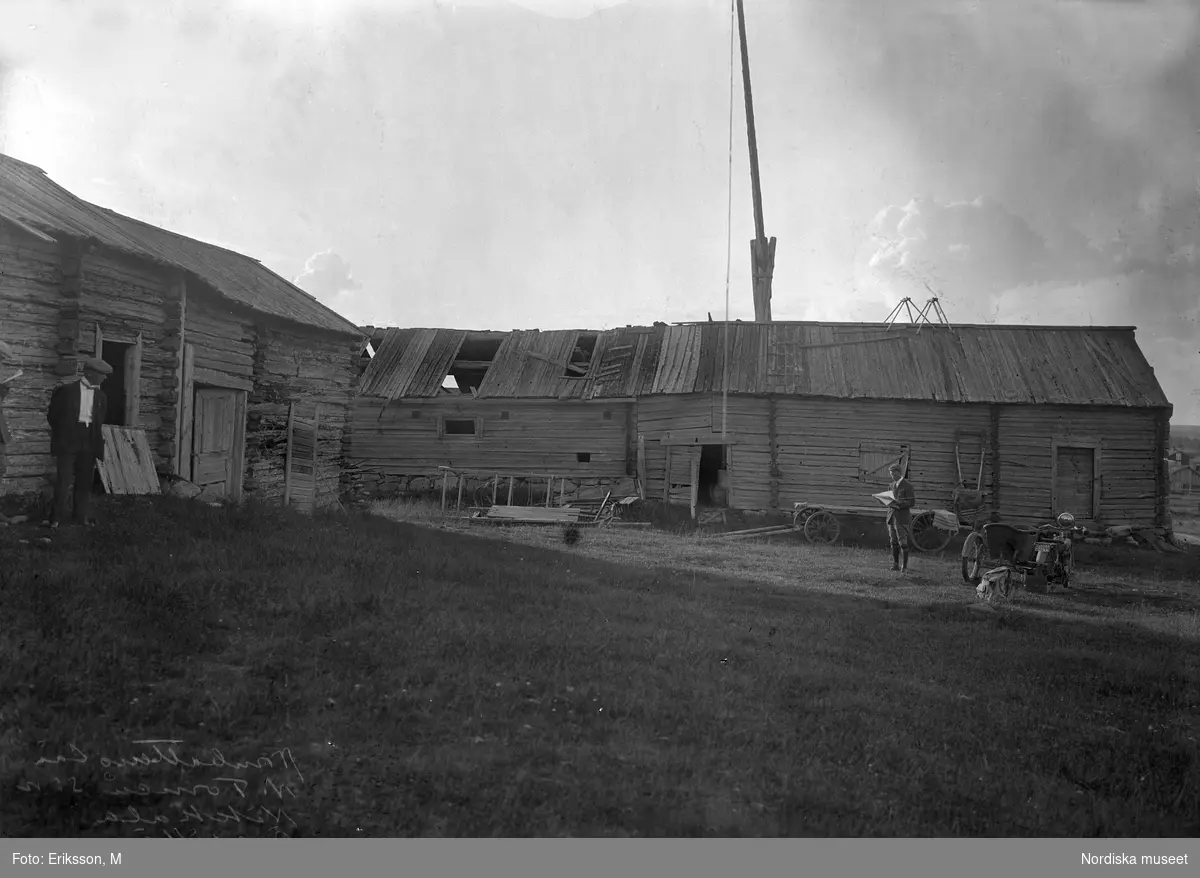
(1185, 437)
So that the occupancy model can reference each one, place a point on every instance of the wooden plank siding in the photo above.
(823, 442)
(294, 366)
(1128, 459)
(543, 436)
(30, 281)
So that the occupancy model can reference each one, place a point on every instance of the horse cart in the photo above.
(932, 529)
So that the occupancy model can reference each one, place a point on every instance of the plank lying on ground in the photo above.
(530, 521)
(533, 513)
(724, 535)
(778, 531)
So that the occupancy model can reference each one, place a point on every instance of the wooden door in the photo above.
(1074, 481)
(213, 441)
(682, 470)
(301, 477)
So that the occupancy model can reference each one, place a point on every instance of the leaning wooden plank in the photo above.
(128, 465)
(149, 481)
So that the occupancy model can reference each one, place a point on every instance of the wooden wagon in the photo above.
(932, 529)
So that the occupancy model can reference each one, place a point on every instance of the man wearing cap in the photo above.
(76, 416)
(6, 359)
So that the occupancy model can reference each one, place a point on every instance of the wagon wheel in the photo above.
(822, 527)
(800, 516)
(927, 536)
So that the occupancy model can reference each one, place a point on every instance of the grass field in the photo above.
(244, 671)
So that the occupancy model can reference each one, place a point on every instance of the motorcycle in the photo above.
(1000, 556)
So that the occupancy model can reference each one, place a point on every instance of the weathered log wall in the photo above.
(745, 418)
(30, 292)
(222, 338)
(402, 438)
(295, 366)
(789, 449)
(1130, 460)
(127, 298)
(823, 445)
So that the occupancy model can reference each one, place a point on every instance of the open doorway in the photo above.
(713, 488)
(116, 355)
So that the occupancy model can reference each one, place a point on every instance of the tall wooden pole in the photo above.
(762, 249)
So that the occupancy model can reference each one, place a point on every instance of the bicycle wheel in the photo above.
(974, 560)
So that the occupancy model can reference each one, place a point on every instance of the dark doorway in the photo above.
(115, 354)
(712, 465)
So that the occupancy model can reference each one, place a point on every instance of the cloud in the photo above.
(327, 276)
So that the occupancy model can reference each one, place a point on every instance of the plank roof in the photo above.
(1051, 365)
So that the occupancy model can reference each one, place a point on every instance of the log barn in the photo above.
(227, 367)
(1021, 421)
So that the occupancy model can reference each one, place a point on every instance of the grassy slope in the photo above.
(431, 682)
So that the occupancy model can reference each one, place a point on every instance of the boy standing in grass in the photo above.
(899, 517)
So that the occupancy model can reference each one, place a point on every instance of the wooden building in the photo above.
(212, 353)
(1035, 419)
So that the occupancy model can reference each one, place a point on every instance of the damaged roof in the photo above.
(1064, 365)
(31, 200)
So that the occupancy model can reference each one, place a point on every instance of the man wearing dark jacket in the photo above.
(76, 416)
(899, 517)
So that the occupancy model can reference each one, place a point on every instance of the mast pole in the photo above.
(762, 249)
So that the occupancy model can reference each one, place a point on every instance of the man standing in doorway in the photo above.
(76, 416)
(6, 360)
(899, 517)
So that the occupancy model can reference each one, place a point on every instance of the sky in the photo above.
(493, 164)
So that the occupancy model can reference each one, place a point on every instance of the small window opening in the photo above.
(583, 456)
(504, 416)
(416, 413)
(464, 427)
(471, 363)
(116, 354)
(608, 416)
(581, 357)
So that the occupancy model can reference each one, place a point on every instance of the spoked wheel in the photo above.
(927, 536)
(822, 527)
(800, 516)
(974, 560)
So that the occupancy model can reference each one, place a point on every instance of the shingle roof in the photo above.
(1079, 365)
(31, 199)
